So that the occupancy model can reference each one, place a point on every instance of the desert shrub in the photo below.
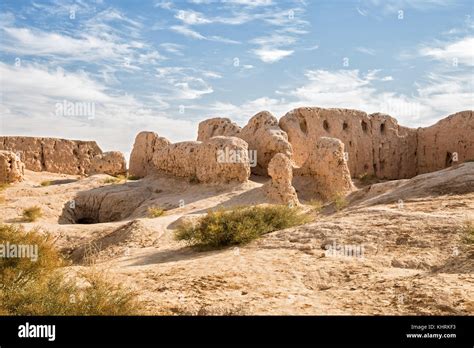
(469, 231)
(315, 204)
(15, 272)
(4, 186)
(340, 202)
(46, 183)
(155, 212)
(29, 287)
(222, 228)
(32, 213)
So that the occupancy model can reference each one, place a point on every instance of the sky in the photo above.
(105, 70)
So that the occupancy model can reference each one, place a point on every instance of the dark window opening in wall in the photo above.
(344, 126)
(326, 125)
(382, 128)
(449, 159)
(303, 126)
(364, 126)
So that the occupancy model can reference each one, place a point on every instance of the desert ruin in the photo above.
(407, 194)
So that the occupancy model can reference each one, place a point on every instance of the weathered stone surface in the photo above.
(217, 160)
(54, 155)
(441, 144)
(377, 145)
(141, 158)
(280, 189)
(325, 173)
(264, 136)
(112, 163)
(217, 126)
(11, 168)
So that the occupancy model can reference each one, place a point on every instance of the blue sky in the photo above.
(166, 65)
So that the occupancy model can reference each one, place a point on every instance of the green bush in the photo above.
(40, 287)
(222, 228)
(32, 214)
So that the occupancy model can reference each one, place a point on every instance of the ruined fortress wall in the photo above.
(63, 156)
(376, 144)
(205, 161)
(440, 144)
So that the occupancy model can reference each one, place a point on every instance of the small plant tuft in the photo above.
(154, 212)
(32, 214)
(469, 231)
(4, 186)
(46, 183)
(241, 225)
(315, 204)
(340, 202)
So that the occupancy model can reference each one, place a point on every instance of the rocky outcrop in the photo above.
(217, 126)
(448, 142)
(59, 155)
(279, 189)
(11, 168)
(265, 138)
(141, 158)
(112, 163)
(325, 173)
(217, 160)
(376, 145)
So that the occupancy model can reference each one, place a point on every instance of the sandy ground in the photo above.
(408, 248)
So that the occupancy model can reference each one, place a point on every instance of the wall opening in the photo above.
(326, 125)
(364, 126)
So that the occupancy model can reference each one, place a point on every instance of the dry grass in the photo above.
(154, 212)
(340, 202)
(29, 287)
(32, 214)
(468, 229)
(315, 204)
(239, 226)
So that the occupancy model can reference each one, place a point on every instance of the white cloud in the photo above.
(271, 55)
(192, 17)
(366, 50)
(180, 29)
(29, 104)
(460, 51)
(172, 48)
(193, 34)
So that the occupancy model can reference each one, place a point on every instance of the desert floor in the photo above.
(416, 258)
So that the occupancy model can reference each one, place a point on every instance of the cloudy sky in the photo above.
(166, 65)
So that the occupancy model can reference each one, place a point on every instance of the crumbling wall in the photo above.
(216, 160)
(60, 155)
(280, 189)
(141, 158)
(325, 174)
(449, 141)
(217, 126)
(11, 168)
(376, 145)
